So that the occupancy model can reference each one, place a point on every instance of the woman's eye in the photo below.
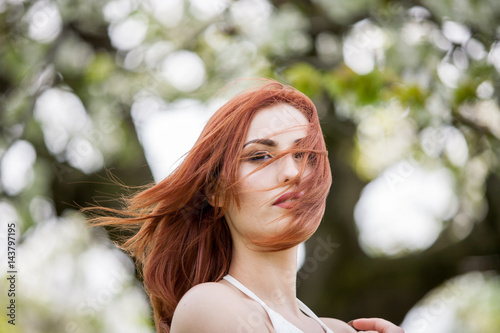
(298, 156)
(259, 156)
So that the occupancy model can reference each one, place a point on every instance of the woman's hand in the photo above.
(375, 325)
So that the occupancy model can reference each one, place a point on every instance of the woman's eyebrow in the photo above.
(299, 140)
(265, 142)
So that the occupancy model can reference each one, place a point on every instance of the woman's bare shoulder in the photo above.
(338, 326)
(207, 291)
(204, 304)
(209, 307)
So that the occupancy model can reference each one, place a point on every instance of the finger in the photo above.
(377, 324)
(357, 329)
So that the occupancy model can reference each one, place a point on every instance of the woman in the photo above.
(217, 239)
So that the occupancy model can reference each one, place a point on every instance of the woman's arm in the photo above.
(375, 325)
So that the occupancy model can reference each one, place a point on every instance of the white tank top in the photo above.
(280, 324)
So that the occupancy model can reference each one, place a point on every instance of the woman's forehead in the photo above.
(278, 118)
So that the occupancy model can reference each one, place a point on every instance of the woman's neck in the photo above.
(271, 276)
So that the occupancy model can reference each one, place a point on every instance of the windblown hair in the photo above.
(182, 238)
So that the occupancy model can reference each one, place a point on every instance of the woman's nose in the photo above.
(288, 168)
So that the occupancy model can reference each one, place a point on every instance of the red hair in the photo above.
(181, 239)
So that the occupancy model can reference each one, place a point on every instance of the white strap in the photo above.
(311, 314)
(276, 319)
(273, 315)
(246, 291)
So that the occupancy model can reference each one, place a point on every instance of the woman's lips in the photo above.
(282, 200)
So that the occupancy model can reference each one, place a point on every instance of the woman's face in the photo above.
(272, 130)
